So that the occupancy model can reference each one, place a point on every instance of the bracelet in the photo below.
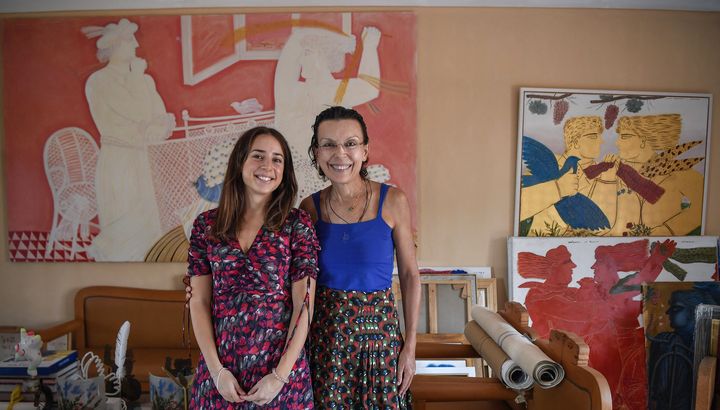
(277, 376)
(216, 379)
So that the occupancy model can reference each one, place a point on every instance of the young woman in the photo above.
(358, 359)
(253, 264)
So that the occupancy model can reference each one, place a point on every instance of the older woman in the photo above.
(358, 358)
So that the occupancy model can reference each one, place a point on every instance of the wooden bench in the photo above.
(156, 322)
(156, 318)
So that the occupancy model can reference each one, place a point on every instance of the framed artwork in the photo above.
(118, 129)
(167, 394)
(611, 163)
(591, 286)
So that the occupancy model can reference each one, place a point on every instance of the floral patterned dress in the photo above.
(252, 305)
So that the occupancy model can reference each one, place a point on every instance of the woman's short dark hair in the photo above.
(232, 199)
(337, 113)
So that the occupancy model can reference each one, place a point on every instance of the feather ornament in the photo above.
(121, 349)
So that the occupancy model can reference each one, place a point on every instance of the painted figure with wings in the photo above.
(556, 194)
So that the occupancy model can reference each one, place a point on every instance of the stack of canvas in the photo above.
(678, 318)
(610, 195)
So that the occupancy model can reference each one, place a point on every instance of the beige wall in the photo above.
(471, 64)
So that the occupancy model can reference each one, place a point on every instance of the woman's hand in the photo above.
(228, 387)
(406, 369)
(265, 390)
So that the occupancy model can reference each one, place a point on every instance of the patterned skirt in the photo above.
(355, 345)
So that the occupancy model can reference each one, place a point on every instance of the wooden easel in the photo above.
(582, 388)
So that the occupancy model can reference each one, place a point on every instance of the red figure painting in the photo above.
(603, 308)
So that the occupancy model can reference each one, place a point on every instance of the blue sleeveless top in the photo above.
(356, 256)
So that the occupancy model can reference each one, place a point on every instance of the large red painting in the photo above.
(591, 287)
(117, 130)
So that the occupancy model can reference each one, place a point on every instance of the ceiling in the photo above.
(23, 6)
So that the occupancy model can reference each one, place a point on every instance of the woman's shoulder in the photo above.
(298, 215)
(379, 186)
(394, 196)
(207, 218)
(202, 227)
(308, 205)
(298, 222)
(395, 208)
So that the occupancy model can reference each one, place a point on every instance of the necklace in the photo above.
(368, 195)
(353, 204)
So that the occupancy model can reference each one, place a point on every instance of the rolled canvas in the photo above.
(544, 371)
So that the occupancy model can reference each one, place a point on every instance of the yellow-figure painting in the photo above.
(635, 171)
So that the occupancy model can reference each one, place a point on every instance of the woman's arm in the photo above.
(303, 291)
(200, 312)
(401, 222)
(202, 323)
(308, 206)
(200, 302)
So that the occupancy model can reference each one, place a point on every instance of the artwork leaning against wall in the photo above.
(611, 163)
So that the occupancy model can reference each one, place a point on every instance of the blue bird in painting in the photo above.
(578, 211)
(209, 193)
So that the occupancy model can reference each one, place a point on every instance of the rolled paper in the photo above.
(509, 373)
(544, 371)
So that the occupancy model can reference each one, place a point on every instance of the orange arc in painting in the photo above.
(354, 62)
(244, 32)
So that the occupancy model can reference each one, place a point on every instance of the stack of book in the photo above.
(53, 366)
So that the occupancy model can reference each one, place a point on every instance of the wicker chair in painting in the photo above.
(70, 158)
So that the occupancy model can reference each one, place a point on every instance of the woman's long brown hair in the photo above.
(233, 202)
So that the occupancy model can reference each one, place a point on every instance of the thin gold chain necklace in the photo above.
(368, 195)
